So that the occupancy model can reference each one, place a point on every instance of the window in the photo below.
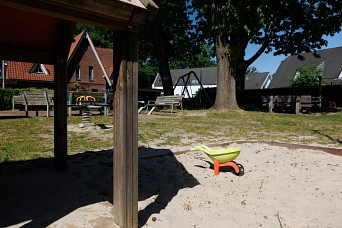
(91, 73)
(267, 82)
(297, 74)
(340, 75)
(94, 90)
(78, 72)
(38, 69)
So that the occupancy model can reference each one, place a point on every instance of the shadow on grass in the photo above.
(4, 117)
(328, 136)
(33, 194)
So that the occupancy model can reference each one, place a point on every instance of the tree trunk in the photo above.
(226, 61)
(226, 79)
(163, 64)
(165, 75)
(240, 85)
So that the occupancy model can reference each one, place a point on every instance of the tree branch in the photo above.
(263, 47)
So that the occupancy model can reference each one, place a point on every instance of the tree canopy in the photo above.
(185, 55)
(284, 27)
(101, 37)
(170, 41)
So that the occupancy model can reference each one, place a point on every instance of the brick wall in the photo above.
(85, 57)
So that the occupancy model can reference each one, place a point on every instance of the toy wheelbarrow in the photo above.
(223, 157)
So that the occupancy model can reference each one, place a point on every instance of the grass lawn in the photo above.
(30, 138)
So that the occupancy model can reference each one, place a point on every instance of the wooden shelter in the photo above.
(41, 31)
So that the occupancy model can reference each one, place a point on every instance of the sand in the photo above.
(282, 187)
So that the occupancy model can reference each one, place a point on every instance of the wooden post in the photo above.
(320, 90)
(60, 112)
(270, 104)
(297, 106)
(125, 210)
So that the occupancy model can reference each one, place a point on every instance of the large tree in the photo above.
(168, 38)
(284, 27)
(101, 37)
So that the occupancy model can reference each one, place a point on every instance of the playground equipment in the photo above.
(85, 99)
(223, 157)
(185, 80)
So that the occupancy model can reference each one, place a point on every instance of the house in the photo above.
(258, 80)
(26, 75)
(87, 65)
(330, 62)
(190, 77)
(207, 78)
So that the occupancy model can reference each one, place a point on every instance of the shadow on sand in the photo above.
(33, 194)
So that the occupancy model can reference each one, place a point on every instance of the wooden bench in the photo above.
(34, 100)
(18, 101)
(307, 103)
(290, 103)
(164, 101)
(282, 103)
(44, 99)
(103, 101)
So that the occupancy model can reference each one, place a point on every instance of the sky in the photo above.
(270, 63)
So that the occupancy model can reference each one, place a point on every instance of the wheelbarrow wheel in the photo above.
(241, 170)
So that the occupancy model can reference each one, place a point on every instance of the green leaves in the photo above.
(252, 70)
(101, 37)
(307, 76)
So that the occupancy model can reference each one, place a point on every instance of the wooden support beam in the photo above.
(60, 96)
(60, 113)
(125, 132)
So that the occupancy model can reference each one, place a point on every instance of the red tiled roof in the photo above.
(75, 42)
(21, 71)
(106, 57)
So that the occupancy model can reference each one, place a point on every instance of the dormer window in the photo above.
(297, 74)
(340, 75)
(38, 69)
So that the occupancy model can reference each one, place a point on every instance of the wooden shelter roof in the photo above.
(33, 30)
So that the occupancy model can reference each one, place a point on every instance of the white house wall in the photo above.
(192, 89)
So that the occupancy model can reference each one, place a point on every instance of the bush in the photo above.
(200, 101)
(307, 76)
(6, 97)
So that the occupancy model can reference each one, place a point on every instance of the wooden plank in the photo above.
(23, 55)
(115, 15)
(125, 132)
